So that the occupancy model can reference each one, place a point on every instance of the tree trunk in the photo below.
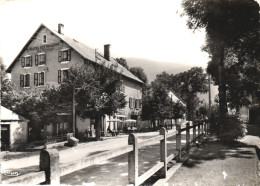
(222, 86)
(98, 123)
(153, 124)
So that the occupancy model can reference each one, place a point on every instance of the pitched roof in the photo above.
(85, 51)
(175, 98)
(8, 115)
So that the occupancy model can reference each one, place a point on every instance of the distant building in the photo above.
(14, 129)
(45, 60)
(175, 99)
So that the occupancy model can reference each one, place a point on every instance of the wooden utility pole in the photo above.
(74, 113)
(209, 96)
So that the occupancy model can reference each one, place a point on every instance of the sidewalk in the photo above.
(217, 164)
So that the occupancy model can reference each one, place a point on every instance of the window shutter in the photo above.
(60, 53)
(36, 79)
(130, 102)
(30, 61)
(59, 76)
(44, 58)
(42, 78)
(136, 103)
(140, 103)
(36, 60)
(22, 61)
(21, 80)
(69, 55)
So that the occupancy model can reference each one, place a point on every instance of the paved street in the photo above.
(30, 164)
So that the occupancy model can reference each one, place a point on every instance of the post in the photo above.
(188, 138)
(163, 152)
(50, 163)
(199, 133)
(133, 160)
(194, 132)
(178, 142)
(74, 113)
(202, 128)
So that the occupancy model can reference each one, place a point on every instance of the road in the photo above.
(31, 163)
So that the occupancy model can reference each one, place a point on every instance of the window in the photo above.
(133, 99)
(39, 78)
(40, 59)
(26, 61)
(44, 39)
(64, 55)
(62, 75)
(25, 80)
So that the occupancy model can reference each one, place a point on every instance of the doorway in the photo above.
(5, 136)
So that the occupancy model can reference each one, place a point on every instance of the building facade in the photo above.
(45, 60)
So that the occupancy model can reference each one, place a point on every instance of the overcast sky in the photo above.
(150, 29)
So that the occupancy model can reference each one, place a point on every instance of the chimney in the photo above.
(60, 28)
(107, 52)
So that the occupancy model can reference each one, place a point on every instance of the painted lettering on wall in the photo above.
(44, 47)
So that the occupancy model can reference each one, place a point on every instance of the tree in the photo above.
(160, 103)
(5, 81)
(33, 105)
(122, 62)
(139, 72)
(96, 95)
(187, 85)
(230, 26)
(178, 110)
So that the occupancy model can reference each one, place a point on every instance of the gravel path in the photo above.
(217, 164)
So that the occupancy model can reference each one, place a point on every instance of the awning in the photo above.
(114, 120)
(129, 120)
(121, 116)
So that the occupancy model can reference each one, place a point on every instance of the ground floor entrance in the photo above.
(5, 136)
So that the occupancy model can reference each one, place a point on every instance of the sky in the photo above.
(149, 29)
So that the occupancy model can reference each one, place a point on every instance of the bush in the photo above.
(227, 129)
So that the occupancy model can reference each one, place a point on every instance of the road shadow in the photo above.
(216, 150)
(253, 130)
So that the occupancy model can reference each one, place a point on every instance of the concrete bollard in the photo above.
(178, 142)
(50, 163)
(133, 160)
(188, 138)
(163, 152)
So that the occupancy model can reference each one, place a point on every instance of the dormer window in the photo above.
(44, 39)
(26, 61)
(65, 55)
(40, 59)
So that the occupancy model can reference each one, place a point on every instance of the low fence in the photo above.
(51, 170)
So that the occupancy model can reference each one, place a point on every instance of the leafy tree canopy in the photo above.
(139, 72)
(122, 62)
(232, 41)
